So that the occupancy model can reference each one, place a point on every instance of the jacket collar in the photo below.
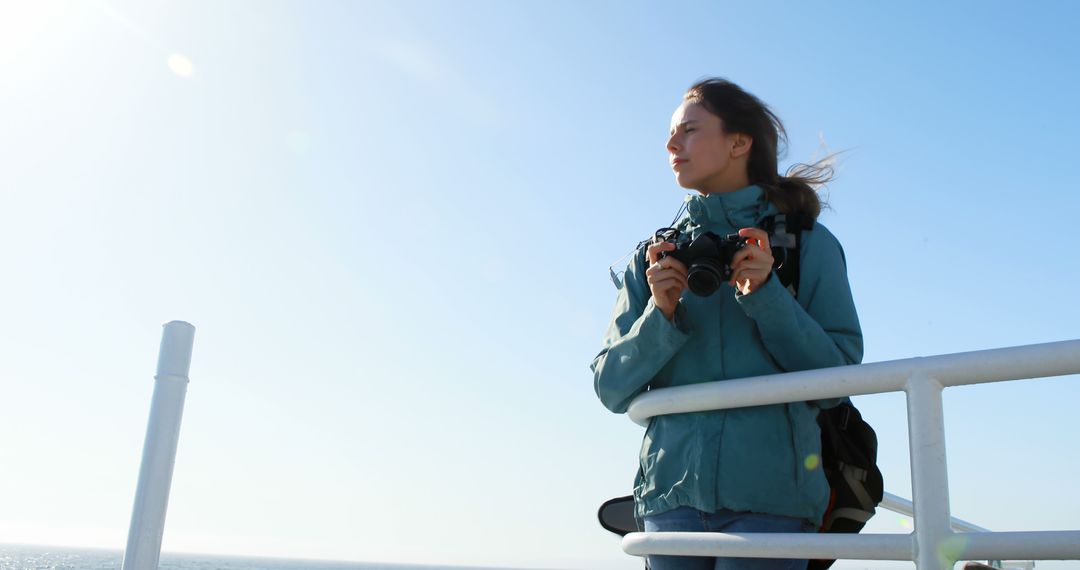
(742, 208)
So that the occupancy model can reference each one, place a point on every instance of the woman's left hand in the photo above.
(752, 265)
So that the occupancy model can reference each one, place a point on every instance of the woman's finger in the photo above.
(665, 279)
(753, 264)
(756, 275)
(667, 264)
(668, 291)
(758, 235)
(752, 255)
(654, 250)
(741, 255)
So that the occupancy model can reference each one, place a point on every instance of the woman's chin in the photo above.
(684, 182)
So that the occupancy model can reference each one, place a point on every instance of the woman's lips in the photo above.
(678, 162)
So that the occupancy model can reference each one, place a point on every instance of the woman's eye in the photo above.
(690, 130)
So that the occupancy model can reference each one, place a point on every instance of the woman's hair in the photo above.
(741, 112)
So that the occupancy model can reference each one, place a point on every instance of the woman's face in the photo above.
(703, 156)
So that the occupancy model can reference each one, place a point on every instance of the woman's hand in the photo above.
(752, 265)
(666, 277)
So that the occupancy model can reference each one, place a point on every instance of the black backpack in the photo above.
(848, 443)
(849, 459)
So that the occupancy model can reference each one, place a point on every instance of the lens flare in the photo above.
(181, 65)
(953, 548)
(812, 462)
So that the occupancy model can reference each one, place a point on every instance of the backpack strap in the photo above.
(785, 237)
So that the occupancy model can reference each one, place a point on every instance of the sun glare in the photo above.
(181, 65)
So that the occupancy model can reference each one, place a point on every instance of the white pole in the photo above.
(771, 545)
(159, 450)
(929, 473)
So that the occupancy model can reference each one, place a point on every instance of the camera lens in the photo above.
(704, 277)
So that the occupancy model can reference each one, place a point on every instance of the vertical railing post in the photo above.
(929, 473)
(159, 450)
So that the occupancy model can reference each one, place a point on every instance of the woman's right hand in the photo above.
(666, 277)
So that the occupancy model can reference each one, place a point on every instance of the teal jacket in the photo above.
(763, 459)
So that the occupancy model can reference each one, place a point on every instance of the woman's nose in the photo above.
(672, 144)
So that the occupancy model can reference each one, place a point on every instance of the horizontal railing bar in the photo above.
(772, 545)
(1039, 545)
(1034, 545)
(977, 367)
(903, 506)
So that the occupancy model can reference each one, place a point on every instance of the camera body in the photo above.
(707, 258)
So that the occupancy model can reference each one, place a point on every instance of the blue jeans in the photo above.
(686, 519)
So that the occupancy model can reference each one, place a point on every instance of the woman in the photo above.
(748, 469)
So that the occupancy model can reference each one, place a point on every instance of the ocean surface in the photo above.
(15, 557)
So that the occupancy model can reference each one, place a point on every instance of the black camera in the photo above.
(707, 257)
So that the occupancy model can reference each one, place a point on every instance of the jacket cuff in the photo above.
(772, 297)
(668, 334)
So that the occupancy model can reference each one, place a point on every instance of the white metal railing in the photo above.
(905, 507)
(143, 549)
(932, 545)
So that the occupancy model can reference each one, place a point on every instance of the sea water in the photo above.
(13, 557)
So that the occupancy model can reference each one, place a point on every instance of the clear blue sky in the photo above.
(391, 224)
